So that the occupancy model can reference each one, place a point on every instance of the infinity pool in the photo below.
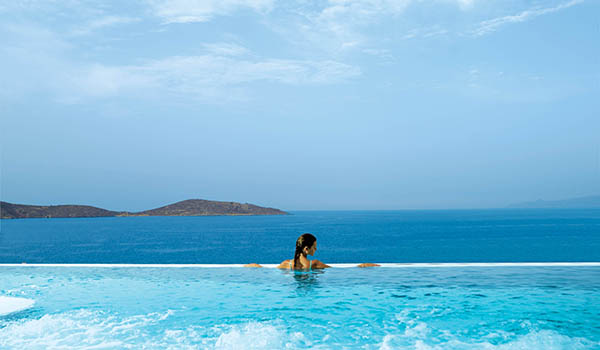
(450, 307)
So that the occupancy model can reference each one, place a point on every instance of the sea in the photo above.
(450, 279)
(420, 236)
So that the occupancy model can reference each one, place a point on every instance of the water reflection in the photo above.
(305, 281)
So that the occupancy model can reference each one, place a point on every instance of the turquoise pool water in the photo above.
(515, 307)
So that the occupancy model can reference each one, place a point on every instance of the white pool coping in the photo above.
(346, 265)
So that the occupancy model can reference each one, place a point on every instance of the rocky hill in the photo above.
(191, 207)
(200, 207)
(16, 211)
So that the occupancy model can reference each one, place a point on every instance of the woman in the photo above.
(306, 245)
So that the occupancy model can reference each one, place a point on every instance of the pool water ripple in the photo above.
(236, 308)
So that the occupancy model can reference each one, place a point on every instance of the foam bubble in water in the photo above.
(76, 330)
(9, 305)
(255, 335)
(417, 336)
(85, 329)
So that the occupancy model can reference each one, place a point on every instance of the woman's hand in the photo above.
(367, 265)
(252, 265)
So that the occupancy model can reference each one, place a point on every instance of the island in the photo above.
(190, 207)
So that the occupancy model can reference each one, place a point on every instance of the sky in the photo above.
(299, 105)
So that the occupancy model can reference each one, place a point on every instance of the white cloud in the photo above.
(186, 11)
(192, 74)
(344, 21)
(98, 80)
(382, 53)
(31, 59)
(337, 27)
(38, 60)
(332, 27)
(436, 32)
(492, 25)
(104, 22)
(465, 4)
(427, 32)
(340, 26)
(327, 31)
(203, 77)
(209, 78)
(226, 49)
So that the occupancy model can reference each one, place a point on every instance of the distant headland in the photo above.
(590, 202)
(190, 207)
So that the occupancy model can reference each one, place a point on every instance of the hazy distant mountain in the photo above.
(191, 207)
(581, 202)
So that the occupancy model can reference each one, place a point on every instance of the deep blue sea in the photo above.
(343, 236)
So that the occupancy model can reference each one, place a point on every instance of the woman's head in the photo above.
(306, 244)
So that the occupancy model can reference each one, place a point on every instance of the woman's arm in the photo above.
(252, 265)
(316, 264)
(367, 265)
(284, 264)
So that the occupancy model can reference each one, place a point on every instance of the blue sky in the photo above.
(367, 104)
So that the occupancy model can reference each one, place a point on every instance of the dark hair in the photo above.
(305, 240)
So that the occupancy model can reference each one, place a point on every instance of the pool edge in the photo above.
(341, 265)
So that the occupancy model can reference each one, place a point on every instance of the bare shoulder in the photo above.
(284, 264)
(316, 264)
